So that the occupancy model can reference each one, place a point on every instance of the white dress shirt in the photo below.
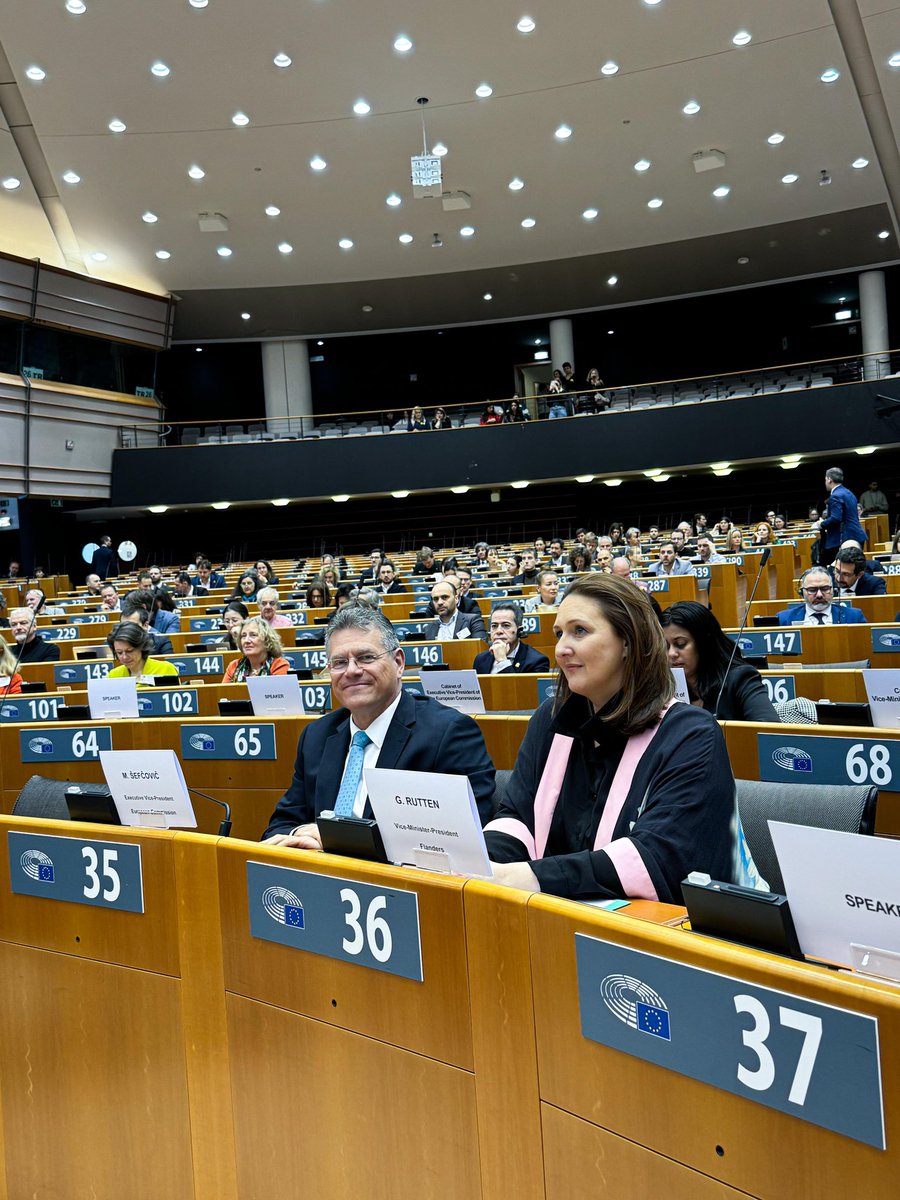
(377, 732)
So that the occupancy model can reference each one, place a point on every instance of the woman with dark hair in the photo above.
(132, 647)
(317, 594)
(233, 617)
(515, 412)
(266, 573)
(697, 644)
(440, 420)
(617, 791)
(247, 586)
(166, 617)
(450, 565)
(580, 559)
(491, 415)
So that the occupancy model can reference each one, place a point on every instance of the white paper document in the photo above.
(275, 695)
(842, 888)
(883, 690)
(148, 788)
(111, 699)
(681, 687)
(428, 820)
(457, 689)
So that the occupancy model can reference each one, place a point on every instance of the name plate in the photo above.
(545, 689)
(410, 629)
(81, 672)
(76, 870)
(780, 688)
(202, 623)
(297, 616)
(316, 697)
(786, 642)
(96, 618)
(55, 743)
(701, 571)
(229, 741)
(427, 654)
(531, 623)
(199, 664)
(31, 708)
(736, 559)
(654, 584)
(794, 1055)
(886, 641)
(60, 633)
(491, 592)
(891, 568)
(306, 660)
(168, 702)
(374, 927)
(805, 758)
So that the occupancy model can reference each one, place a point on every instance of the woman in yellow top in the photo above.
(262, 653)
(132, 645)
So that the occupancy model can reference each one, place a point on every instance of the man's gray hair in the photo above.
(367, 620)
(835, 474)
(370, 596)
(267, 593)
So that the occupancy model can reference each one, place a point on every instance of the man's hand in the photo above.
(500, 651)
(304, 837)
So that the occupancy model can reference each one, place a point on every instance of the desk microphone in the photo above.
(225, 824)
(21, 647)
(764, 558)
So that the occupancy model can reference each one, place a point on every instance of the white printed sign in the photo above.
(883, 691)
(457, 689)
(681, 688)
(148, 788)
(111, 699)
(275, 695)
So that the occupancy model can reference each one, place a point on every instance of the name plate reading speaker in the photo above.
(371, 926)
(112, 699)
(805, 758)
(428, 820)
(227, 741)
(275, 695)
(148, 788)
(797, 1056)
(59, 744)
(883, 693)
(457, 689)
(76, 870)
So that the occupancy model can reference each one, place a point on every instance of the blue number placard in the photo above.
(316, 697)
(784, 642)
(306, 660)
(545, 689)
(20, 709)
(96, 618)
(701, 571)
(531, 623)
(780, 688)
(424, 655)
(410, 629)
(199, 664)
(886, 641)
(60, 633)
(794, 1055)
(891, 568)
(232, 741)
(297, 616)
(202, 623)
(655, 585)
(168, 702)
(371, 926)
(76, 870)
(82, 671)
(57, 743)
(806, 758)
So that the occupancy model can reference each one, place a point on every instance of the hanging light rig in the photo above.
(425, 168)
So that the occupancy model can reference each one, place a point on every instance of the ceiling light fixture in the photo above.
(775, 139)
(405, 238)
(525, 25)
(198, 3)
(516, 185)
(723, 472)
(36, 73)
(662, 478)
(439, 149)
(519, 484)
(585, 478)
(609, 68)
(885, 233)
(221, 505)
(653, 472)
(245, 316)
(399, 495)
(461, 490)
(528, 223)
(790, 178)
(488, 296)
(345, 244)
(541, 355)
(163, 254)
(590, 214)
(894, 61)
(99, 256)
(612, 482)
(158, 508)
(743, 260)
(76, 6)
(117, 126)
(403, 44)
(240, 119)
(642, 164)
(859, 163)
(224, 251)
(340, 499)
(830, 76)
(393, 200)
(196, 172)
(282, 502)
(282, 60)
(318, 163)
(563, 133)
(722, 191)
(285, 248)
(361, 108)
(843, 314)
(691, 108)
(11, 183)
(613, 280)
(467, 231)
(71, 177)
(741, 38)
(272, 210)
(862, 450)
(656, 202)
(719, 466)
(483, 91)
(150, 217)
(160, 70)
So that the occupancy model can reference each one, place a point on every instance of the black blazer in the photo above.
(744, 697)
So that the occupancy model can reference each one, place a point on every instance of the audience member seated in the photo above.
(233, 618)
(707, 554)
(491, 415)
(559, 560)
(269, 604)
(873, 501)
(417, 421)
(388, 583)
(763, 535)
(344, 593)
(261, 650)
(92, 584)
(616, 792)
(817, 590)
(547, 595)
(440, 420)
(852, 576)
(511, 565)
(697, 644)
(137, 607)
(515, 413)
(540, 548)
(317, 594)
(873, 565)
(369, 596)
(206, 577)
(670, 564)
(4, 620)
(723, 527)
(482, 551)
(109, 597)
(156, 579)
(369, 574)
(132, 647)
(507, 652)
(426, 563)
(10, 679)
(579, 560)
(735, 543)
(451, 623)
(184, 587)
(166, 617)
(528, 569)
(266, 573)
(247, 586)
(374, 723)
(23, 627)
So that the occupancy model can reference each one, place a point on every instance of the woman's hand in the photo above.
(517, 875)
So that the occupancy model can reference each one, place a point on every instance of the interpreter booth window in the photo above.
(10, 332)
(58, 356)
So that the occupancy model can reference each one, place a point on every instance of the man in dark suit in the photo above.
(376, 724)
(370, 574)
(206, 577)
(137, 607)
(388, 584)
(451, 622)
(817, 590)
(850, 572)
(104, 561)
(507, 652)
(841, 517)
(23, 627)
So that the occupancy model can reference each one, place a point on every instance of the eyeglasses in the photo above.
(338, 665)
(811, 591)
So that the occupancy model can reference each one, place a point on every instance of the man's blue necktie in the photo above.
(343, 806)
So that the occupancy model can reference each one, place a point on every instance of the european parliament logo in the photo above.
(203, 741)
(37, 866)
(637, 1005)
(40, 745)
(891, 640)
(68, 673)
(284, 907)
(9, 712)
(789, 758)
(745, 643)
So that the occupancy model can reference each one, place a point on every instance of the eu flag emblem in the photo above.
(293, 915)
(45, 873)
(653, 1020)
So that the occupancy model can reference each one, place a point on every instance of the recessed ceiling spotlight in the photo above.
(36, 73)
(859, 163)
(642, 164)
(467, 231)
(245, 316)
(651, 3)
(439, 149)
(393, 200)
(539, 341)
(345, 244)
(590, 214)
(158, 508)
(655, 202)
(722, 191)
(741, 38)
(894, 60)
(830, 76)
(691, 108)
(11, 183)
(516, 185)
(885, 233)
(519, 484)
(528, 223)
(318, 163)
(613, 482)
(405, 238)
(150, 217)
(525, 25)
(196, 172)
(610, 332)
(400, 495)
(584, 478)
(76, 6)
(282, 60)
(361, 108)
(609, 68)
(342, 499)
(285, 248)
(272, 210)
(117, 126)
(403, 44)
(483, 91)
(71, 177)
(163, 254)
(743, 260)
(283, 501)
(563, 132)
(460, 490)
(240, 119)
(790, 178)
(198, 3)
(320, 343)
(221, 505)
(487, 296)
(224, 251)
(775, 139)
(99, 256)
(613, 280)
(367, 308)
(160, 69)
